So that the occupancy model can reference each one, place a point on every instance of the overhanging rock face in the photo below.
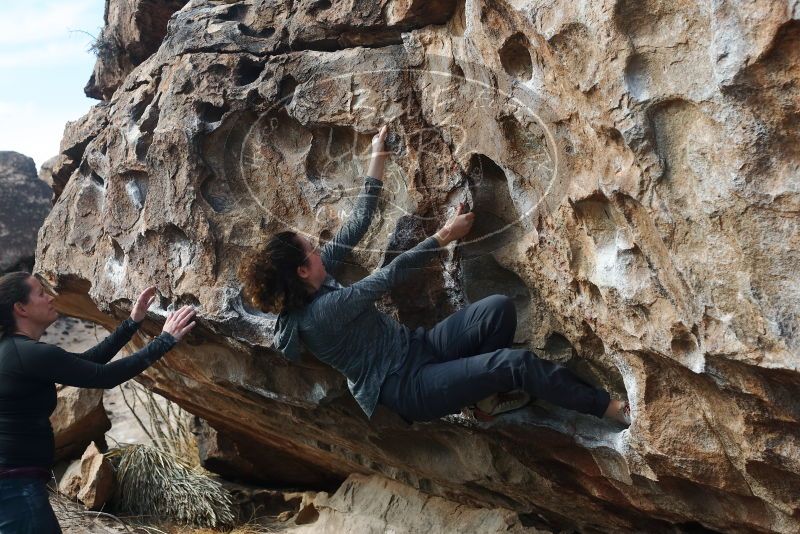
(634, 167)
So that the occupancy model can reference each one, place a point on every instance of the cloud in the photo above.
(33, 130)
(43, 22)
(44, 65)
(46, 54)
(45, 33)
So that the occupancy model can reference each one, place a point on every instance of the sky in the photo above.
(44, 64)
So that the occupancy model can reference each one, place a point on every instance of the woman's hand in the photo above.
(457, 227)
(178, 323)
(142, 303)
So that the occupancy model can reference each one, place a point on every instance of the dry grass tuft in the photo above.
(155, 485)
(164, 482)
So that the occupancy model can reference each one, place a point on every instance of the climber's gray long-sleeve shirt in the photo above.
(341, 326)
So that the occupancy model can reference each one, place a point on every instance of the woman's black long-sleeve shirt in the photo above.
(29, 371)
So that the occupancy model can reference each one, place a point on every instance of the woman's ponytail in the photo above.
(269, 276)
(13, 288)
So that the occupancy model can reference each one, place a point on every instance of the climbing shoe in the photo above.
(488, 408)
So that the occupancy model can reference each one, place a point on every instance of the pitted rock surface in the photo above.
(634, 166)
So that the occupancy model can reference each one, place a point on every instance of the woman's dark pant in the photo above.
(25, 507)
(466, 358)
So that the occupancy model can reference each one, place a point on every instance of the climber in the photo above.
(465, 360)
(29, 370)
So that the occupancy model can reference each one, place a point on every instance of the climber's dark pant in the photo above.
(466, 358)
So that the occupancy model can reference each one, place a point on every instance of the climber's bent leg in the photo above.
(438, 389)
(483, 326)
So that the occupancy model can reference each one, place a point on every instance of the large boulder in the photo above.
(634, 168)
(24, 204)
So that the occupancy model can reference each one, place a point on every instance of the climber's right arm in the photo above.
(358, 222)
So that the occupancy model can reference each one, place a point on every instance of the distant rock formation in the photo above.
(634, 168)
(24, 204)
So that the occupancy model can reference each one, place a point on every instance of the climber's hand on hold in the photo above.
(378, 141)
(146, 298)
(379, 154)
(457, 227)
(179, 323)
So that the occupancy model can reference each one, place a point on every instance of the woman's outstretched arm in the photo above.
(358, 222)
(50, 363)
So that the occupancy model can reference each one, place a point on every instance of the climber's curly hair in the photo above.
(269, 276)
